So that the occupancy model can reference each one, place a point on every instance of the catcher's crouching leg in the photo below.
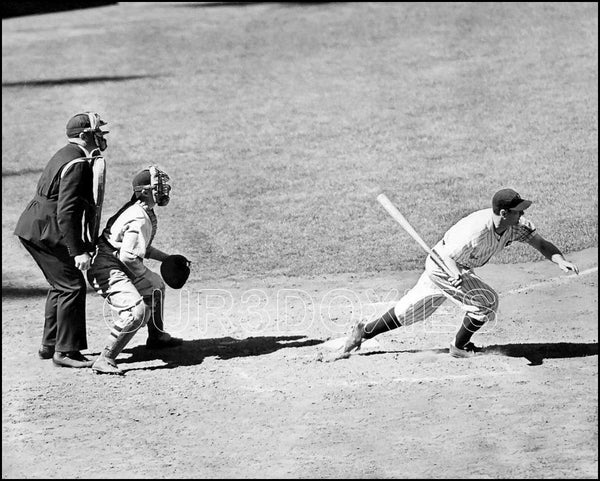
(157, 337)
(131, 320)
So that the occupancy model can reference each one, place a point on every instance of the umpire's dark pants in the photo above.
(64, 326)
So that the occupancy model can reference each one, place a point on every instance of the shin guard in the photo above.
(120, 335)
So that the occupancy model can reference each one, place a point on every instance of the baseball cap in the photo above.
(142, 178)
(80, 122)
(509, 199)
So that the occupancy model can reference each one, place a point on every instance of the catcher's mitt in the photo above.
(175, 271)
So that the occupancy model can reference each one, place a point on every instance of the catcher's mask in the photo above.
(88, 122)
(156, 181)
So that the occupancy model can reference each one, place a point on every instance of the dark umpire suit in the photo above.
(57, 225)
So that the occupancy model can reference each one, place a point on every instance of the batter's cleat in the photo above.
(165, 341)
(106, 365)
(45, 352)
(469, 350)
(354, 339)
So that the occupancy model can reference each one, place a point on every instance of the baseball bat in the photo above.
(398, 217)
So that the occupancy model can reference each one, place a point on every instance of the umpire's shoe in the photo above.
(469, 350)
(106, 365)
(71, 359)
(46, 352)
(164, 341)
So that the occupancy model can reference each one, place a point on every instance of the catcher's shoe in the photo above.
(165, 341)
(354, 339)
(106, 365)
(469, 350)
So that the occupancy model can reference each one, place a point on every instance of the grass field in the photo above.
(279, 124)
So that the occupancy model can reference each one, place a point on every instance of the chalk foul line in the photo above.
(552, 280)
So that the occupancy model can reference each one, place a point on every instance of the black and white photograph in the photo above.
(299, 240)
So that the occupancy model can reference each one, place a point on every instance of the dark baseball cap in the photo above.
(82, 122)
(142, 178)
(509, 199)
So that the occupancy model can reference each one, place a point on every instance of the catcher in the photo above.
(119, 275)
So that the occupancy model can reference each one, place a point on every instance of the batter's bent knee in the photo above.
(483, 304)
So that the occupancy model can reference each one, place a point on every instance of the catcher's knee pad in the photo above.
(130, 320)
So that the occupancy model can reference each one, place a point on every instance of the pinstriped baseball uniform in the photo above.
(471, 242)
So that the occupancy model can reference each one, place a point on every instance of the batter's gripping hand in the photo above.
(175, 271)
(567, 266)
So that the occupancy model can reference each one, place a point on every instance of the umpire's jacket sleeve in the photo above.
(75, 184)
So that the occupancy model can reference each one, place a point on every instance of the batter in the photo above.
(469, 244)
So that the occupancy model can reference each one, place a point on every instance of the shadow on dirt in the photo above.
(12, 173)
(241, 4)
(14, 292)
(193, 352)
(11, 292)
(535, 353)
(75, 80)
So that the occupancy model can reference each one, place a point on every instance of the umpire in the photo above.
(59, 228)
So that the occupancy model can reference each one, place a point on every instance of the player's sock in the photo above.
(467, 329)
(155, 323)
(386, 322)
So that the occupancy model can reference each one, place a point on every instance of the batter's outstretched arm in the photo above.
(550, 251)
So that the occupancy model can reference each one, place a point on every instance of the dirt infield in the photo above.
(251, 392)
